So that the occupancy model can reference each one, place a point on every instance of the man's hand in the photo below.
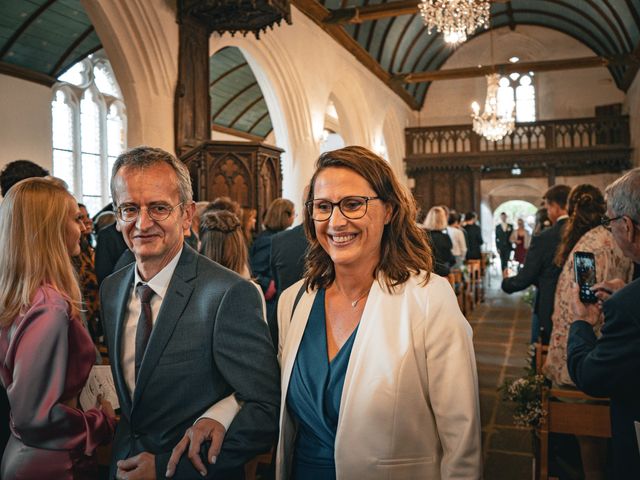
(140, 467)
(604, 290)
(204, 429)
(588, 312)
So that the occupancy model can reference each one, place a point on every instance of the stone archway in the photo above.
(496, 192)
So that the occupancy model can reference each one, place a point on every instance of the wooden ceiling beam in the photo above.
(26, 74)
(318, 14)
(372, 12)
(376, 12)
(506, 68)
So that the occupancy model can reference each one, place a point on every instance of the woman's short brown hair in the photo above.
(404, 250)
(279, 214)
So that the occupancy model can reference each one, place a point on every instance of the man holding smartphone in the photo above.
(609, 366)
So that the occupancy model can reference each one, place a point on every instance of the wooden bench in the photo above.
(476, 289)
(456, 279)
(568, 411)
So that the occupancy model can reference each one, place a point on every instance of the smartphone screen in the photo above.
(584, 264)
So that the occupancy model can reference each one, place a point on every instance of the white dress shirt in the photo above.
(226, 409)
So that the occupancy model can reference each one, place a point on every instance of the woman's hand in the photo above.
(105, 406)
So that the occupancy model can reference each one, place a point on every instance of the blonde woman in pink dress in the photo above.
(46, 354)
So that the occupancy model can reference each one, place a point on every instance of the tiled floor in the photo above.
(501, 327)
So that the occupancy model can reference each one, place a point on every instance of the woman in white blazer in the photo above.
(378, 372)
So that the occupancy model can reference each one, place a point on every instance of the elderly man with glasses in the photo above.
(609, 366)
(190, 351)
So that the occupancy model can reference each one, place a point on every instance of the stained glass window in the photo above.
(89, 129)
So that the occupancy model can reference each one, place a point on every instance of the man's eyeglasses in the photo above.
(606, 221)
(353, 208)
(158, 213)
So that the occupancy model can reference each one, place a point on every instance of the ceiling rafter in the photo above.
(392, 61)
(21, 29)
(54, 72)
(245, 110)
(318, 13)
(257, 122)
(383, 41)
(616, 30)
(506, 68)
(229, 72)
(233, 99)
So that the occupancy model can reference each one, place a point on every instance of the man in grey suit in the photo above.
(190, 352)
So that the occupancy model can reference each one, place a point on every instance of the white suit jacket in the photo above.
(409, 406)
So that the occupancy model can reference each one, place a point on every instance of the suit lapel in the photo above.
(175, 301)
(122, 299)
(294, 337)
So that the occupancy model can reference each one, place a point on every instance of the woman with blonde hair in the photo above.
(378, 371)
(435, 225)
(46, 354)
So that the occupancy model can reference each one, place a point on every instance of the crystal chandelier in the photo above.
(492, 124)
(455, 19)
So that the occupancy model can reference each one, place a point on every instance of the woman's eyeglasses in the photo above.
(353, 207)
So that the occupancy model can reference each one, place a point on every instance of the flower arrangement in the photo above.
(526, 393)
(529, 296)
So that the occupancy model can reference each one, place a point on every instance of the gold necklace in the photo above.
(355, 302)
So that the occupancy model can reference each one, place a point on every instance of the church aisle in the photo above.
(501, 329)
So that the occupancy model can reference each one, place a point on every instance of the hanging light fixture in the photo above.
(493, 123)
(455, 19)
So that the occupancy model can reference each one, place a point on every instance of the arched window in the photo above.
(518, 89)
(89, 129)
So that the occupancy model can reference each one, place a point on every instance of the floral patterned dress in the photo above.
(610, 264)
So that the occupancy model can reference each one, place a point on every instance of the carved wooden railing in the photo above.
(542, 135)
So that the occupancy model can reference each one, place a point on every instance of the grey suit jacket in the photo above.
(208, 341)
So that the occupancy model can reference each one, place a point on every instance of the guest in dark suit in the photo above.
(503, 244)
(185, 335)
(474, 236)
(539, 268)
(109, 248)
(609, 366)
(287, 265)
(279, 216)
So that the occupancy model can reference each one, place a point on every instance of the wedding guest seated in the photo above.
(46, 354)
(609, 366)
(378, 371)
(583, 233)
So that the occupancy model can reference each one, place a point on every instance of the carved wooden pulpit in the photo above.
(247, 172)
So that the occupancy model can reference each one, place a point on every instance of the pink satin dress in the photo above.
(45, 360)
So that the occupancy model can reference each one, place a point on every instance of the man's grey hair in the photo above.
(144, 157)
(623, 195)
